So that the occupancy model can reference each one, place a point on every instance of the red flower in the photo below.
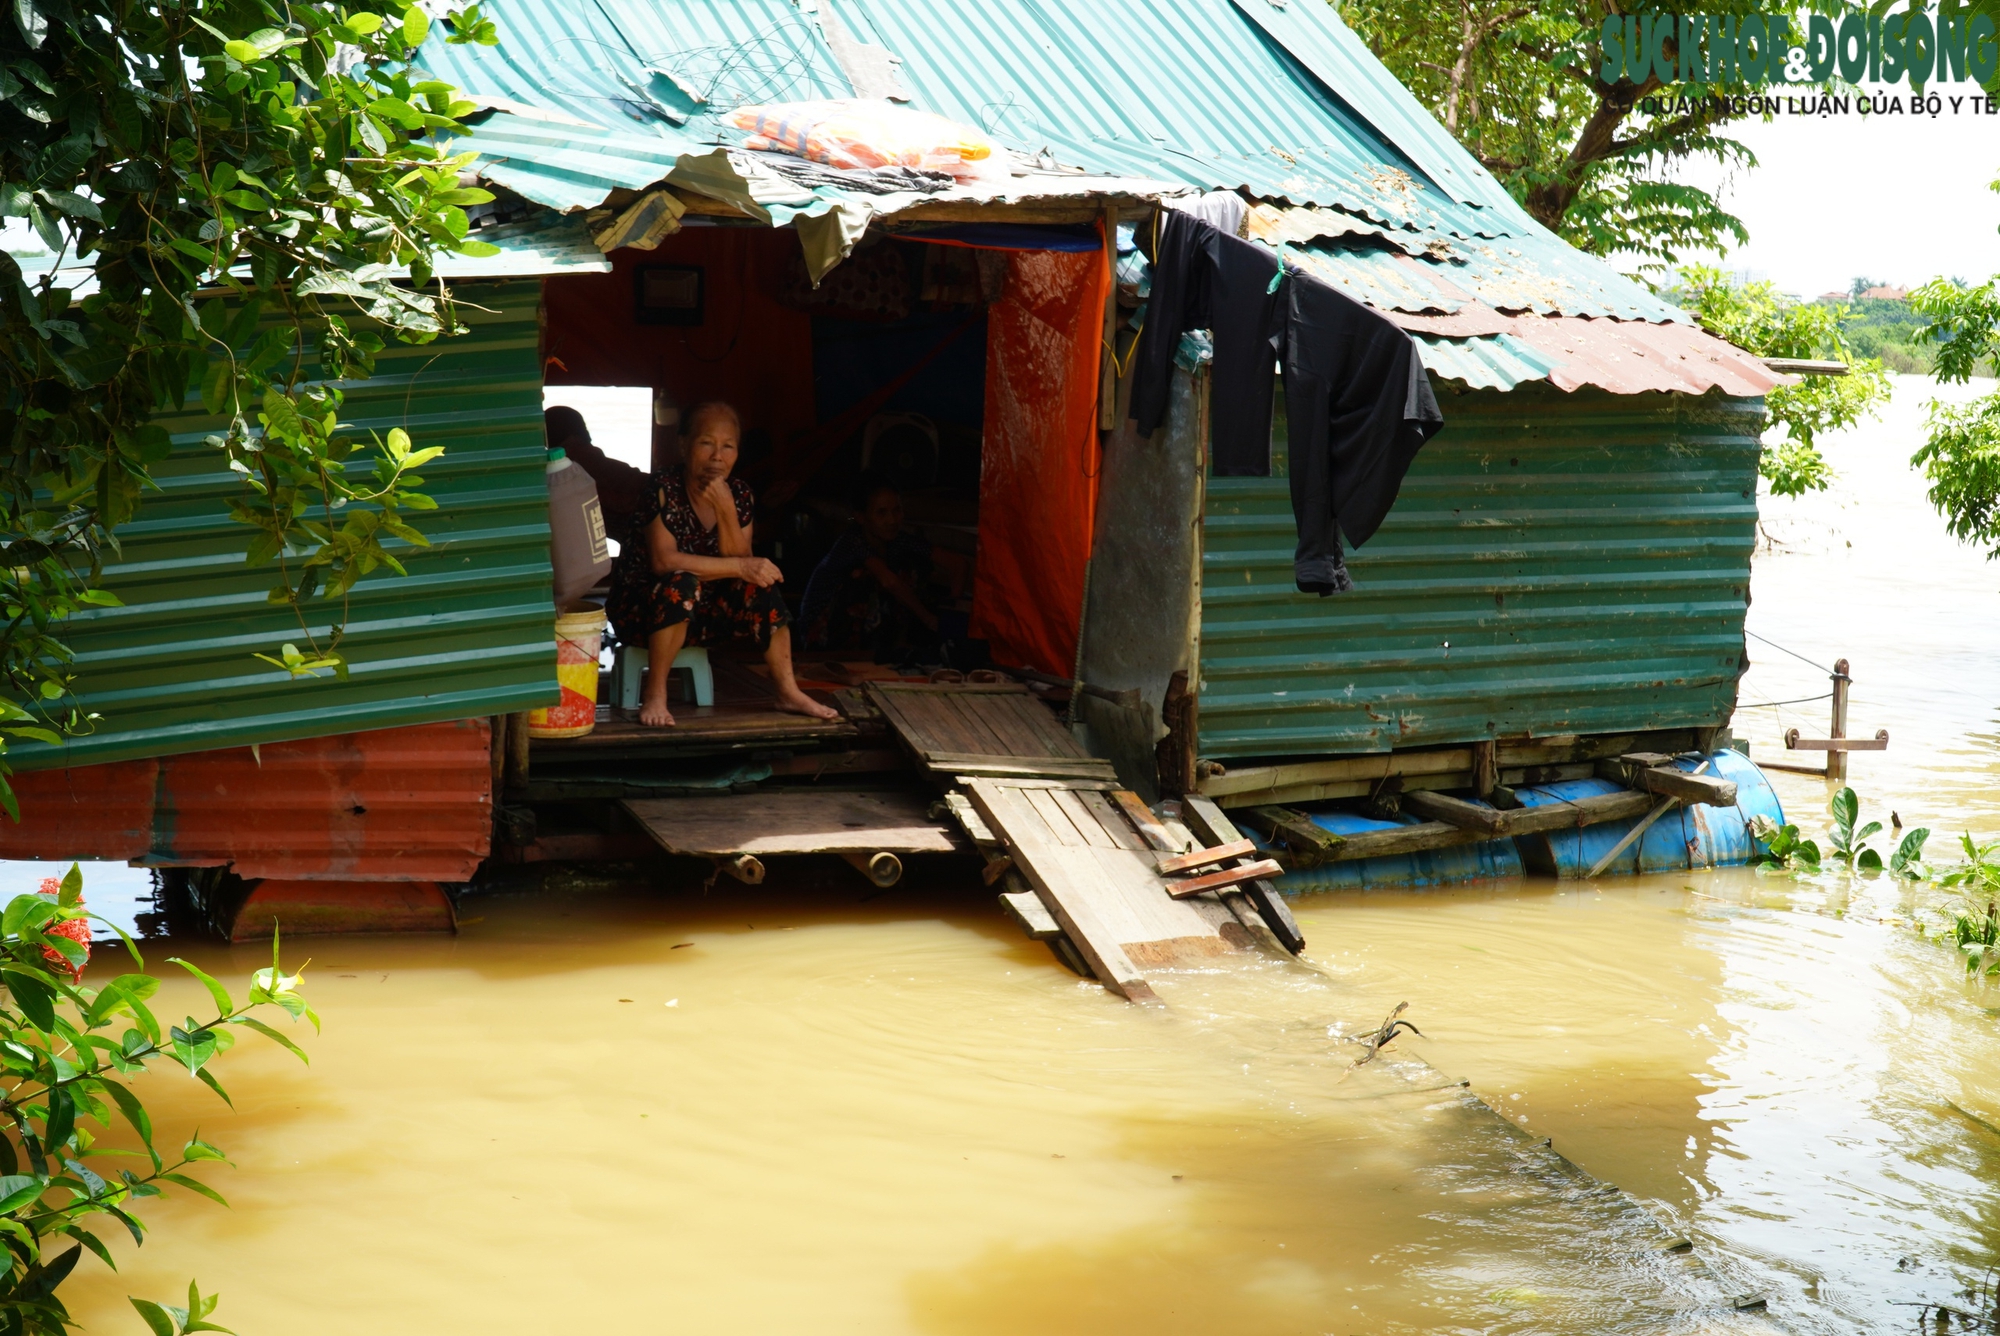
(76, 929)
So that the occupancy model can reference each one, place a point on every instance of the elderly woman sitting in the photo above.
(687, 576)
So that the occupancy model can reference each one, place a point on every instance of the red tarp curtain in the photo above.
(1039, 467)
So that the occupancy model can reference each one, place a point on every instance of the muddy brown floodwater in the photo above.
(796, 1109)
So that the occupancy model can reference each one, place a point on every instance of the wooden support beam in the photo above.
(1107, 388)
(1648, 773)
(1485, 768)
(1525, 821)
(1230, 876)
(1304, 840)
(1203, 857)
(1026, 909)
(1454, 811)
(1880, 742)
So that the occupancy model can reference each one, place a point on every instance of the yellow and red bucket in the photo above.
(579, 639)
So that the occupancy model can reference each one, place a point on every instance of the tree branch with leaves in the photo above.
(240, 195)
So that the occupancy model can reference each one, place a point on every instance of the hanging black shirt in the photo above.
(1203, 278)
(1358, 407)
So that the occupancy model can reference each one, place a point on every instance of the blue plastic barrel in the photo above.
(1685, 838)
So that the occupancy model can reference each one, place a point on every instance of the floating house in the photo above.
(1551, 614)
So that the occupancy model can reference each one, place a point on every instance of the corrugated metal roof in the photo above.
(469, 632)
(1520, 586)
(1361, 183)
(386, 805)
(1497, 363)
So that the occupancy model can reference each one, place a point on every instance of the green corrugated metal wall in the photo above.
(469, 632)
(1556, 563)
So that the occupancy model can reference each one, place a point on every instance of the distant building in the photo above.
(1886, 294)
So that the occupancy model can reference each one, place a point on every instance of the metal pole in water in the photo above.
(1836, 759)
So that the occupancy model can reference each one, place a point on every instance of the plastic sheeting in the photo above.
(1039, 464)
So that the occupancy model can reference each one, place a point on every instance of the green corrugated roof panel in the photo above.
(1141, 89)
(469, 632)
(1556, 563)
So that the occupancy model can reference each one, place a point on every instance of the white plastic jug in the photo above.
(578, 552)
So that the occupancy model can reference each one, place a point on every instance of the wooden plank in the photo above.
(1207, 821)
(1880, 742)
(1304, 839)
(1229, 876)
(1148, 825)
(1110, 816)
(1085, 820)
(793, 822)
(1047, 803)
(1041, 861)
(1647, 774)
(1333, 777)
(1526, 821)
(1203, 857)
(1041, 724)
(1026, 908)
(1453, 811)
(969, 821)
(962, 763)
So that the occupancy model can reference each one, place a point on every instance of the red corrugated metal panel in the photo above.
(92, 811)
(1628, 356)
(392, 804)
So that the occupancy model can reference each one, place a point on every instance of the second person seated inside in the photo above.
(688, 576)
(884, 588)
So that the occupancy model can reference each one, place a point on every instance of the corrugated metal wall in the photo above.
(1556, 563)
(391, 804)
(470, 632)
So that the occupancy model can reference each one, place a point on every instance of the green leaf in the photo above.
(156, 1316)
(207, 1078)
(1845, 807)
(1869, 861)
(223, 1004)
(195, 1185)
(397, 110)
(197, 1149)
(73, 204)
(364, 22)
(35, 998)
(135, 1114)
(18, 1190)
(463, 195)
(274, 1035)
(478, 249)
(416, 25)
(71, 889)
(218, 387)
(1872, 828)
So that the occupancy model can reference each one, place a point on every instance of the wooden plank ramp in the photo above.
(1099, 878)
(994, 729)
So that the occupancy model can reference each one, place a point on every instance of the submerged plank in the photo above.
(1062, 885)
(796, 822)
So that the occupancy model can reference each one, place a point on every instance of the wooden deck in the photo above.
(807, 821)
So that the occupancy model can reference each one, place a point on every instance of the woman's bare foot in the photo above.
(655, 714)
(794, 701)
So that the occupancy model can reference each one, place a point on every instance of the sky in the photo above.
(1899, 199)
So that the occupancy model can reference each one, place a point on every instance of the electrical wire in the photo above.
(1771, 704)
(1794, 653)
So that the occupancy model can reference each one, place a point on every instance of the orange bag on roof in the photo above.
(858, 132)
